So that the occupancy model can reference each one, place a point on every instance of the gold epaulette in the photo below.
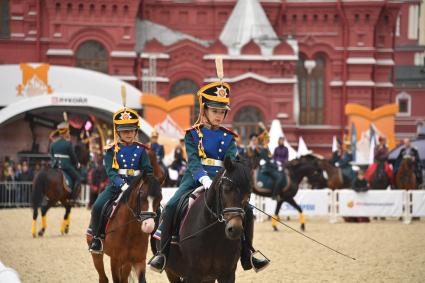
(108, 146)
(194, 127)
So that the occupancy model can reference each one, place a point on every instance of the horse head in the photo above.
(143, 199)
(308, 166)
(232, 188)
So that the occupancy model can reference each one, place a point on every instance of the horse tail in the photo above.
(39, 184)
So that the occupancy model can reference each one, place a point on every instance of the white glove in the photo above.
(336, 164)
(262, 162)
(205, 181)
(124, 187)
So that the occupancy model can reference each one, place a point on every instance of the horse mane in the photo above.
(240, 175)
(127, 193)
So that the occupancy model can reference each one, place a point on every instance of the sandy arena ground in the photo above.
(386, 251)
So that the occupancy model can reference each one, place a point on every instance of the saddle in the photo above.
(179, 217)
(263, 181)
(108, 212)
(67, 180)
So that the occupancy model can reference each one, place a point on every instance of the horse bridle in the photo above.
(220, 211)
(139, 214)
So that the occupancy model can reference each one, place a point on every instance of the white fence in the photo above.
(327, 203)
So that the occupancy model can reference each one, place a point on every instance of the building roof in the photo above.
(147, 30)
(247, 22)
(410, 76)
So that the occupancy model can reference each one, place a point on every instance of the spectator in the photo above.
(280, 154)
(360, 183)
(252, 149)
(27, 174)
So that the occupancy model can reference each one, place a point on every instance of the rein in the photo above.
(139, 217)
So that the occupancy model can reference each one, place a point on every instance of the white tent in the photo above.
(247, 22)
(302, 148)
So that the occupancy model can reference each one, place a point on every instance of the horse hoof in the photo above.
(66, 229)
(41, 233)
(34, 235)
(275, 229)
(302, 227)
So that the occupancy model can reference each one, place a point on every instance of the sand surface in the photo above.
(386, 251)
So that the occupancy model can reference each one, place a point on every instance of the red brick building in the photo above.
(297, 61)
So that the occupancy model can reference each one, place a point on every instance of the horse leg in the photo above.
(116, 270)
(34, 222)
(140, 268)
(98, 264)
(292, 202)
(172, 278)
(125, 272)
(275, 217)
(66, 220)
(44, 210)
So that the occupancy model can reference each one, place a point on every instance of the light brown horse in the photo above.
(406, 178)
(127, 233)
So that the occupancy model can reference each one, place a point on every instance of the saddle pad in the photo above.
(108, 212)
(184, 219)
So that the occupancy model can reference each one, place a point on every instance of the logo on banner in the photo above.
(69, 100)
(34, 80)
(351, 204)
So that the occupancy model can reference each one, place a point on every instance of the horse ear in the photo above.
(228, 164)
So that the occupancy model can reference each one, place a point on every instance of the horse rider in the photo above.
(252, 149)
(268, 165)
(381, 153)
(124, 159)
(64, 157)
(156, 147)
(281, 153)
(207, 145)
(239, 146)
(342, 159)
(408, 151)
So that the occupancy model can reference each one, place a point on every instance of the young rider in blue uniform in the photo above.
(124, 160)
(207, 145)
(64, 157)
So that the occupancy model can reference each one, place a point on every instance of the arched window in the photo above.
(93, 56)
(186, 86)
(246, 122)
(311, 89)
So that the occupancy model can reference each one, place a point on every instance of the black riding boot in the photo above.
(248, 260)
(96, 245)
(74, 193)
(158, 262)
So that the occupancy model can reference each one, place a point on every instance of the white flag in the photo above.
(302, 148)
(334, 144)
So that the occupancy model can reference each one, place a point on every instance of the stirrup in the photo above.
(265, 258)
(156, 269)
(96, 251)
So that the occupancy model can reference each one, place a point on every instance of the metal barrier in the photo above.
(19, 194)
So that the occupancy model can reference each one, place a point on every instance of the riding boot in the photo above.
(248, 261)
(74, 193)
(159, 261)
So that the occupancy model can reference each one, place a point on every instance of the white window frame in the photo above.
(397, 25)
(405, 96)
(413, 31)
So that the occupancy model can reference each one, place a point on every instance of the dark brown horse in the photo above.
(50, 183)
(379, 179)
(127, 233)
(295, 171)
(210, 237)
(406, 177)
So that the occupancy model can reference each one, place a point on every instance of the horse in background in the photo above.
(210, 236)
(127, 232)
(379, 179)
(50, 183)
(294, 171)
(405, 178)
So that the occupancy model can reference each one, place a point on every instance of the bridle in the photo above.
(220, 212)
(139, 214)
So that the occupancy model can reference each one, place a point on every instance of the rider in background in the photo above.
(342, 158)
(281, 153)
(207, 145)
(252, 149)
(381, 153)
(124, 159)
(64, 157)
(267, 164)
(156, 147)
(408, 151)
